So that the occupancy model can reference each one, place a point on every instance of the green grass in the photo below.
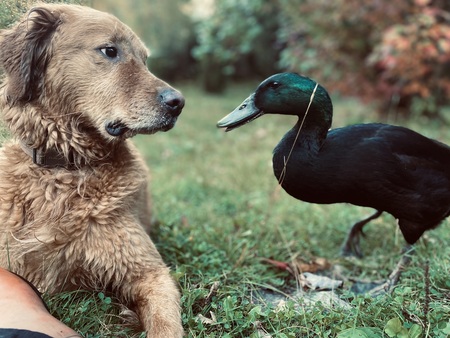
(220, 211)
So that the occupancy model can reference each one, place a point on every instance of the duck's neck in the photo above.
(300, 146)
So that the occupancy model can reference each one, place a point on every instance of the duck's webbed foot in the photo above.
(351, 246)
(393, 278)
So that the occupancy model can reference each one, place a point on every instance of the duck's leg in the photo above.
(351, 245)
(393, 278)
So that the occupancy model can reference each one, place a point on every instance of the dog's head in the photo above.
(75, 63)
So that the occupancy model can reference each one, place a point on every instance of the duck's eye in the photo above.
(110, 52)
(274, 84)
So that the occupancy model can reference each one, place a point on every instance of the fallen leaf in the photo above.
(299, 265)
(205, 320)
(316, 282)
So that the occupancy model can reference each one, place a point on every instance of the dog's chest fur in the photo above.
(61, 208)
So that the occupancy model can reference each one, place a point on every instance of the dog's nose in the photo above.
(173, 100)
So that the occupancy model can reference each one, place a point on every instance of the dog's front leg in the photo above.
(126, 260)
(158, 304)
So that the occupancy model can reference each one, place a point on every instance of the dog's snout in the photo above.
(173, 100)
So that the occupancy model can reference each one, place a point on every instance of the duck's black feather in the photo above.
(384, 167)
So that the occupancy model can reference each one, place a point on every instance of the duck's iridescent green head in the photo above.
(284, 93)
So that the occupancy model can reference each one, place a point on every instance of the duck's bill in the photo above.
(243, 114)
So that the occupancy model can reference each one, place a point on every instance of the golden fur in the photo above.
(75, 83)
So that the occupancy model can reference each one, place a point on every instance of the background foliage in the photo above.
(237, 41)
(395, 54)
(10, 11)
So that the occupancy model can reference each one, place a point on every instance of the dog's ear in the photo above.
(25, 51)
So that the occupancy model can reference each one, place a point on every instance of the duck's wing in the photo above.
(391, 168)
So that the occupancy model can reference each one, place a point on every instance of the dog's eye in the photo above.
(110, 52)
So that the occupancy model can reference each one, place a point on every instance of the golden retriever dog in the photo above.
(73, 200)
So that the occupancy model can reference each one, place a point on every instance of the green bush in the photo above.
(238, 40)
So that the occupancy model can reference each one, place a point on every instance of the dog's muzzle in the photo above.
(171, 105)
